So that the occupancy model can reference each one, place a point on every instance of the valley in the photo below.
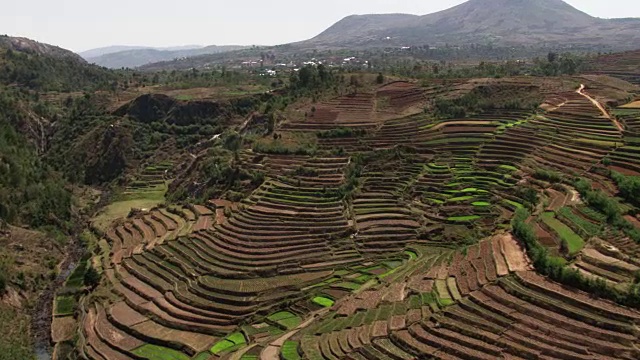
(359, 241)
(329, 199)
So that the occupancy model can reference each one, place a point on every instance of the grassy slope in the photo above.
(15, 341)
(144, 199)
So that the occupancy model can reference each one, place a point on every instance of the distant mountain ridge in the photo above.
(92, 53)
(131, 58)
(504, 22)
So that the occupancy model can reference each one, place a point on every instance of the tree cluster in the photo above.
(558, 64)
(31, 193)
(487, 98)
(556, 269)
(628, 186)
(46, 73)
(608, 206)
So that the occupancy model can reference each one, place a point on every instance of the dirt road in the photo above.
(272, 351)
(600, 107)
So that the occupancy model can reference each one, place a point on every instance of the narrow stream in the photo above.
(43, 311)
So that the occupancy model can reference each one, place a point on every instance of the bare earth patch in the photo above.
(595, 254)
(514, 254)
(633, 220)
(63, 329)
(632, 105)
(502, 269)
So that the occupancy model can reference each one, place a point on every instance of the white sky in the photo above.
(84, 24)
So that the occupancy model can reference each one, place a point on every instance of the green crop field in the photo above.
(154, 352)
(573, 240)
(65, 305)
(323, 301)
(464, 218)
(203, 356)
(231, 342)
(290, 350)
(514, 204)
(461, 198)
(236, 338)
(587, 226)
(481, 204)
(290, 323)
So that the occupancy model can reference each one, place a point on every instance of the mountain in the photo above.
(504, 22)
(138, 57)
(93, 53)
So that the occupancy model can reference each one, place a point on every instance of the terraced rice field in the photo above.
(397, 248)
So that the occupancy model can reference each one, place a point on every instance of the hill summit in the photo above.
(25, 45)
(506, 22)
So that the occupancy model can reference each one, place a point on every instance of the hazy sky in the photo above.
(84, 24)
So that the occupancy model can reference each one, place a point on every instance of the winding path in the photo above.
(599, 106)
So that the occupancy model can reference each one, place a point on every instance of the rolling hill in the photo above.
(43, 67)
(24, 45)
(503, 22)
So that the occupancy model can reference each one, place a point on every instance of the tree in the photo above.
(568, 65)
(233, 143)
(355, 83)
(271, 123)
(306, 75)
(91, 277)
(552, 57)
(380, 79)
(529, 195)
(3, 281)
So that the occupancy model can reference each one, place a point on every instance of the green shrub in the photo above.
(547, 175)
(341, 132)
(277, 147)
(529, 195)
(306, 172)
(91, 277)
